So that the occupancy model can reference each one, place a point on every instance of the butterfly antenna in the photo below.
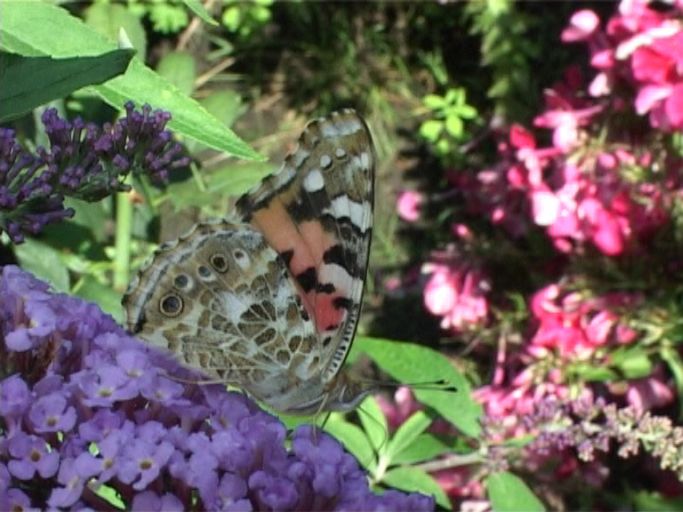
(429, 385)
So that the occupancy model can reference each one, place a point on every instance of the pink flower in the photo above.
(564, 119)
(409, 204)
(458, 294)
(652, 66)
(460, 482)
(462, 231)
(520, 137)
(582, 26)
(545, 206)
(649, 393)
(400, 409)
(574, 326)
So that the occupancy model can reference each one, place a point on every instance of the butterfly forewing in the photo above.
(316, 212)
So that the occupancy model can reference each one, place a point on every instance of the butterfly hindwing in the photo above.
(316, 212)
(221, 299)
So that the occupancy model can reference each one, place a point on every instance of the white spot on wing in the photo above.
(314, 181)
(337, 275)
(342, 206)
(365, 160)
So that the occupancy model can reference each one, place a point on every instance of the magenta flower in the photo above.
(582, 26)
(409, 205)
(565, 119)
(574, 326)
(456, 293)
(641, 49)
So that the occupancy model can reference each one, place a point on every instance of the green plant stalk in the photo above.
(122, 251)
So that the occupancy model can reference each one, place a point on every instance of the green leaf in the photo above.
(633, 362)
(374, 423)
(655, 502)
(593, 373)
(179, 69)
(232, 180)
(416, 480)
(434, 102)
(637, 366)
(198, 8)
(231, 18)
(353, 439)
(411, 363)
(236, 179)
(454, 96)
(425, 447)
(168, 18)
(44, 262)
(467, 112)
(407, 433)
(91, 216)
(63, 35)
(226, 105)
(454, 126)
(104, 296)
(29, 82)
(673, 360)
(109, 18)
(443, 147)
(431, 129)
(509, 493)
(110, 495)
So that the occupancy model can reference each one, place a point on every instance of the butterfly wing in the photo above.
(316, 212)
(221, 300)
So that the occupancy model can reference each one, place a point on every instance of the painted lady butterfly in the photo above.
(270, 302)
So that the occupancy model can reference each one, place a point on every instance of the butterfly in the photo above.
(269, 299)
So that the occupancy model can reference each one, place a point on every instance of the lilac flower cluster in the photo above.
(83, 161)
(584, 428)
(88, 412)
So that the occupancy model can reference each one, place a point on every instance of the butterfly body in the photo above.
(269, 302)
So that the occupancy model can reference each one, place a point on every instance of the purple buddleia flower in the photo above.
(231, 493)
(101, 409)
(105, 385)
(40, 322)
(102, 424)
(30, 455)
(106, 464)
(143, 461)
(15, 399)
(14, 499)
(51, 413)
(73, 477)
(83, 161)
(149, 501)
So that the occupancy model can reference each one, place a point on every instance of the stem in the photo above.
(124, 225)
(452, 461)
